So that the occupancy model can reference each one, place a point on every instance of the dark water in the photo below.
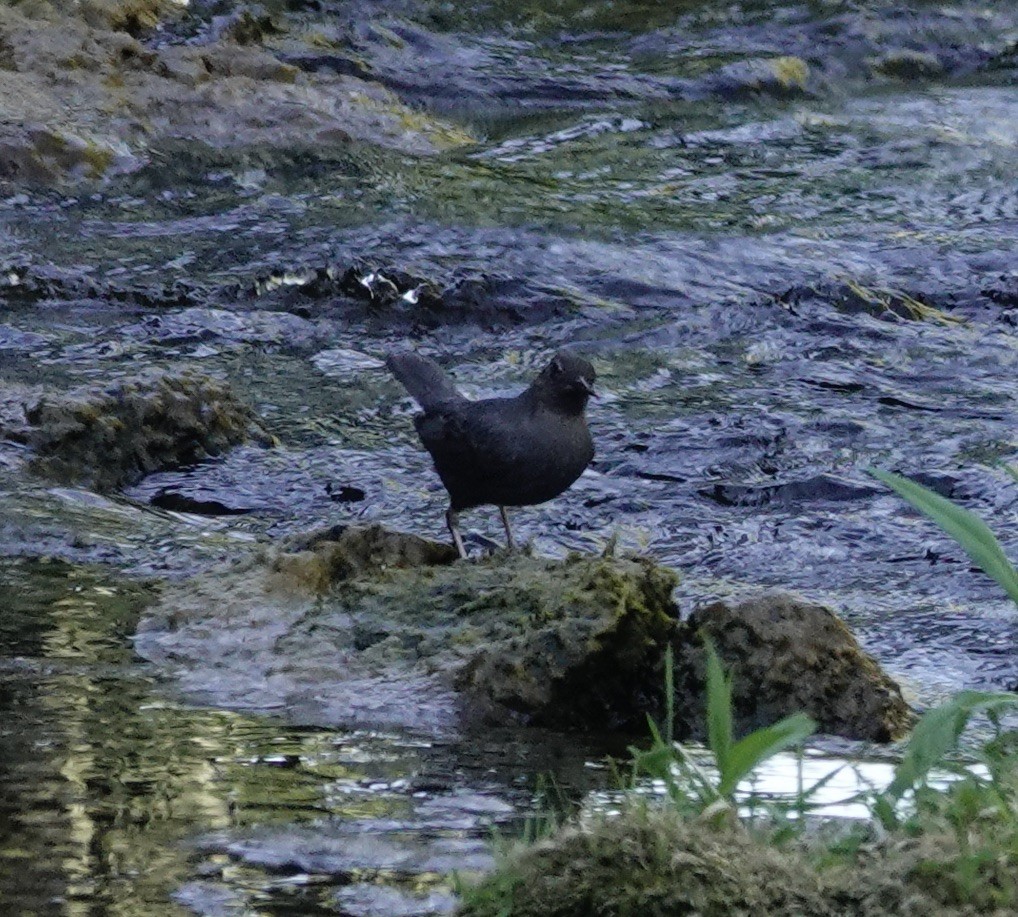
(780, 286)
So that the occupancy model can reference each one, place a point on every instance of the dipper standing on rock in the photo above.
(502, 451)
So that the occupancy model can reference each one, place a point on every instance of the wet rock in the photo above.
(177, 502)
(37, 154)
(316, 561)
(21, 341)
(235, 60)
(384, 294)
(226, 328)
(883, 303)
(786, 656)
(572, 644)
(31, 283)
(459, 70)
(131, 16)
(362, 626)
(105, 437)
(781, 77)
(820, 487)
(84, 98)
(907, 65)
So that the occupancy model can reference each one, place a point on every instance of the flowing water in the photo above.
(786, 236)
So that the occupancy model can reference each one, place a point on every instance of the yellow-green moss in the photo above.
(791, 72)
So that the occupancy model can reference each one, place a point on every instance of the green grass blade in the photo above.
(963, 526)
(719, 710)
(937, 733)
(669, 695)
(1011, 470)
(752, 750)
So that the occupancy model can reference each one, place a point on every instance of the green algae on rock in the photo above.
(317, 560)
(107, 436)
(376, 628)
(86, 96)
(786, 656)
(569, 642)
(650, 864)
(781, 77)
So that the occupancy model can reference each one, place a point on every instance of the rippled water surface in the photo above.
(781, 284)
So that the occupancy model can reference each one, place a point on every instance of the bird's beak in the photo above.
(588, 386)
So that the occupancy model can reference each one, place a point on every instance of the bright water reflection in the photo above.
(815, 784)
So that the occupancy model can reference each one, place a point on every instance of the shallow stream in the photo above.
(784, 276)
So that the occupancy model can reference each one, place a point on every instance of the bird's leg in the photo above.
(508, 531)
(457, 539)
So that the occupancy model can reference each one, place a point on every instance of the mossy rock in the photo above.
(107, 437)
(655, 863)
(317, 561)
(650, 864)
(780, 77)
(931, 873)
(906, 64)
(366, 627)
(786, 656)
(571, 643)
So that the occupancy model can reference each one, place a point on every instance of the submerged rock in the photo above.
(87, 95)
(105, 437)
(906, 64)
(787, 655)
(375, 628)
(781, 77)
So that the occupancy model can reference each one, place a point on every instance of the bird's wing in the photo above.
(485, 438)
(424, 379)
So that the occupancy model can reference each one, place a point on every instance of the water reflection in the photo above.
(815, 784)
(100, 780)
(116, 799)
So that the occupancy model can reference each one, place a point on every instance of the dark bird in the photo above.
(502, 451)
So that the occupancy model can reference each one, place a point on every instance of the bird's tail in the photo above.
(422, 378)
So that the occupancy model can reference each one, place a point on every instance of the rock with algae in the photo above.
(647, 863)
(367, 627)
(106, 436)
(89, 90)
(654, 862)
(373, 628)
(787, 655)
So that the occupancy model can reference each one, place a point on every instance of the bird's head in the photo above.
(566, 383)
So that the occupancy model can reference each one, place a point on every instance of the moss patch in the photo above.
(651, 865)
(660, 865)
(105, 437)
(787, 655)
